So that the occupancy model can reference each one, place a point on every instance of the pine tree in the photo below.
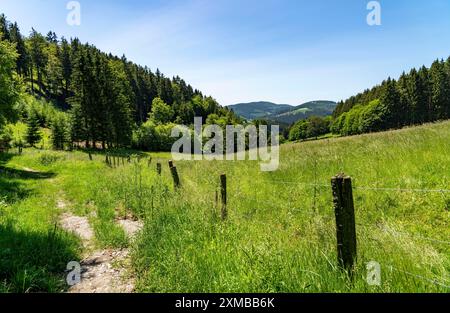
(33, 135)
(440, 91)
(59, 132)
(4, 28)
(38, 56)
(424, 104)
(17, 39)
(406, 102)
(390, 99)
(51, 37)
(66, 65)
(54, 71)
(78, 101)
(120, 104)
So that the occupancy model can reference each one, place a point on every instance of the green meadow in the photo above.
(280, 234)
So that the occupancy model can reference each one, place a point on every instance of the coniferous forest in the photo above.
(421, 96)
(103, 99)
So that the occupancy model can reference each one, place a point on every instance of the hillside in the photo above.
(303, 111)
(280, 227)
(105, 101)
(283, 113)
(255, 110)
(420, 96)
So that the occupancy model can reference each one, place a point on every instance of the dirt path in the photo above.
(102, 271)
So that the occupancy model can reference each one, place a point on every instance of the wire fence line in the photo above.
(403, 189)
(394, 233)
(355, 186)
(430, 280)
(363, 187)
(238, 194)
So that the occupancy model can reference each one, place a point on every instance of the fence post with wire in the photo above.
(345, 220)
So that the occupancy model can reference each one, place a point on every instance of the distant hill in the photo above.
(303, 111)
(261, 109)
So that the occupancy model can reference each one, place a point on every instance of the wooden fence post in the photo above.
(158, 168)
(90, 155)
(345, 220)
(217, 199)
(223, 193)
(170, 163)
(176, 178)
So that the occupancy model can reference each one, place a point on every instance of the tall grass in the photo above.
(280, 234)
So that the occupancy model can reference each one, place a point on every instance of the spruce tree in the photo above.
(4, 29)
(59, 132)
(22, 60)
(33, 135)
(66, 66)
(390, 99)
(38, 56)
(54, 71)
(440, 91)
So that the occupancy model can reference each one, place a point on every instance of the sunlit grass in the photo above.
(280, 234)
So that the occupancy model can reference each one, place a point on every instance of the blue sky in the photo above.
(239, 51)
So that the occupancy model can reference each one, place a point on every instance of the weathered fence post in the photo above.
(345, 220)
(223, 193)
(217, 199)
(90, 156)
(170, 163)
(149, 161)
(158, 168)
(107, 159)
(176, 178)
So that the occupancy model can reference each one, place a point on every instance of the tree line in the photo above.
(106, 98)
(417, 97)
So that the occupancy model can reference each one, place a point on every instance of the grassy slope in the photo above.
(280, 235)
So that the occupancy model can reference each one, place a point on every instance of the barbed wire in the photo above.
(299, 183)
(395, 233)
(433, 281)
(402, 189)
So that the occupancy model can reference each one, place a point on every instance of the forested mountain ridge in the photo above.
(417, 97)
(283, 113)
(106, 97)
(259, 109)
(318, 108)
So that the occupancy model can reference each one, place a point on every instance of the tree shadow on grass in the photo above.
(23, 174)
(11, 187)
(34, 261)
